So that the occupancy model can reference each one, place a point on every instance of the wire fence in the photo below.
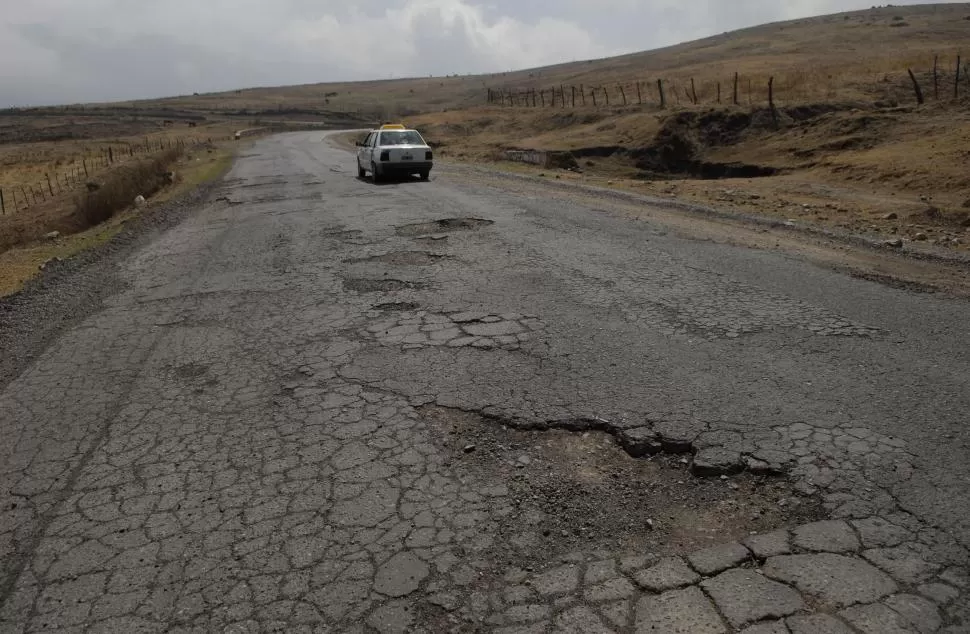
(78, 175)
(947, 81)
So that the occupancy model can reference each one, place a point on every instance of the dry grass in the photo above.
(20, 264)
(25, 166)
(123, 185)
(837, 57)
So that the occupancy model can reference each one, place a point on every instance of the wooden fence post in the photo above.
(3, 205)
(956, 81)
(573, 89)
(592, 93)
(693, 91)
(84, 162)
(582, 92)
(562, 93)
(936, 79)
(542, 95)
(49, 186)
(735, 89)
(660, 89)
(26, 197)
(606, 95)
(552, 97)
(719, 92)
(533, 97)
(771, 93)
(623, 94)
(919, 92)
(639, 96)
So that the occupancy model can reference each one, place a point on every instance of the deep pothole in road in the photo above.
(573, 491)
(401, 258)
(443, 225)
(363, 285)
(395, 307)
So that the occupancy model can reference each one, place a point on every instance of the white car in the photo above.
(393, 149)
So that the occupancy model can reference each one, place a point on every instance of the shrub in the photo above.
(122, 186)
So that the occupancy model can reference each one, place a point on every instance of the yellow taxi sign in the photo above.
(393, 126)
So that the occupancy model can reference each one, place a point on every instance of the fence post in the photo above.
(49, 186)
(573, 89)
(582, 93)
(592, 93)
(639, 96)
(622, 93)
(3, 205)
(562, 93)
(719, 92)
(956, 82)
(542, 96)
(660, 89)
(533, 97)
(84, 162)
(606, 95)
(26, 197)
(919, 92)
(936, 80)
(735, 89)
(693, 91)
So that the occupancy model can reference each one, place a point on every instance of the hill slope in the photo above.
(834, 56)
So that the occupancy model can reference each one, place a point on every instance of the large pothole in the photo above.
(443, 225)
(579, 490)
(401, 258)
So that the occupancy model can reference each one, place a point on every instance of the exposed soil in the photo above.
(566, 488)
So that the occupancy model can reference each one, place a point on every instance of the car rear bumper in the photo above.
(405, 167)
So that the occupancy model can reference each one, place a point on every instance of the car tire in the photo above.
(373, 173)
(361, 172)
(425, 175)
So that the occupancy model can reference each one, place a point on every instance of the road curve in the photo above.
(324, 405)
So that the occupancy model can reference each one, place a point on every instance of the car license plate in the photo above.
(407, 157)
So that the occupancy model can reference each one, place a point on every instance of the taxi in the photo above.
(394, 149)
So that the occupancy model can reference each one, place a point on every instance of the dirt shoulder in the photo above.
(893, 174)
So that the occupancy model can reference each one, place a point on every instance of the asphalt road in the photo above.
(323, 405)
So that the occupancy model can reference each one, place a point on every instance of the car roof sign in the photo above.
(393, 126)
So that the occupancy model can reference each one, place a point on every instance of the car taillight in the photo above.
(385, 155)
(427, 155)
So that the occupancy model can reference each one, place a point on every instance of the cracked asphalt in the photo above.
(320, 405)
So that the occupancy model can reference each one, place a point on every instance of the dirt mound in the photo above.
(679, 145)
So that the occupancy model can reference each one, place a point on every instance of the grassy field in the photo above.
(20, 264)
(835, 57)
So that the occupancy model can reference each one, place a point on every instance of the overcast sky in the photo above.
(69, 51)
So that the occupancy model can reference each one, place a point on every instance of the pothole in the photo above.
(191, 370)
(571, 491)
(393, 307)
(376, 286)
(443, 225)
(401, 258)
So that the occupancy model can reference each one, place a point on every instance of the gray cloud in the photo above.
(65, 51)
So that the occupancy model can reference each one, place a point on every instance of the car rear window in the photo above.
(404, 137)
